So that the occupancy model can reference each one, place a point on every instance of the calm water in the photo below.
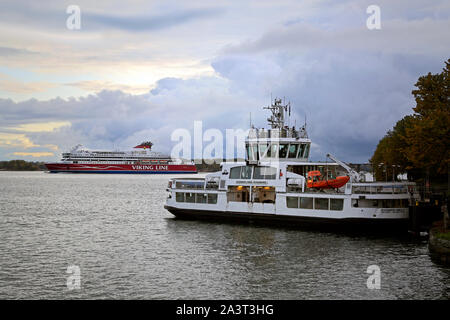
(114, 227)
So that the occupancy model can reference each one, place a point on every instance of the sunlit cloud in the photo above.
(12, 140)
(41, 127)
(33, 154)
(11, 85)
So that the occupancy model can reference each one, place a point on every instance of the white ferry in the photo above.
(278, 183)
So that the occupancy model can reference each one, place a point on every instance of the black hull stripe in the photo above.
(383, 224)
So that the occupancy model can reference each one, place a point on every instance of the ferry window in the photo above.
(273, 151)
(253, 152)
(262, 150)
(300, 153)
(243, 172)
(235, 173)
(336, 204)
(179, 196)
(306, 155)
(212, 198)
(283, 150)
(246, 172)
(265, 173)
(292, 202)
(306, 203)
(321, 203)
(250, 153)
(201, 197)
(293, 150)
(190, 197)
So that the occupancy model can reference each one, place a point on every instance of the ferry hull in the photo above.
(289, 220)
(121, 168)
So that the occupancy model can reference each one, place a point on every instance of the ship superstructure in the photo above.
(278, 182)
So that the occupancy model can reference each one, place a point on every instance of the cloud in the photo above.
(98, 85)
(34, 154)
(141, 23)
(13, 140)
(8, 51)
(11, 85)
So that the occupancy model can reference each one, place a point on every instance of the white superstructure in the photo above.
(275, 184)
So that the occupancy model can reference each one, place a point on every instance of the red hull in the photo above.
(121, 168)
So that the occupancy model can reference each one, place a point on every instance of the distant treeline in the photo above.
(214, 166)
(21, 165)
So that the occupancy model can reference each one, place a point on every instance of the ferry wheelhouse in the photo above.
(277, 182)
(139, 160)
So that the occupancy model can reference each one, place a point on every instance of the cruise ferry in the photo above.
(139, 160)
(278, 183)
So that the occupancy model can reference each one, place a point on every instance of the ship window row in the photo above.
(190, 197)
(277, 150)
(258, 173)
(315, 203)
(380, 203)
(115, 158)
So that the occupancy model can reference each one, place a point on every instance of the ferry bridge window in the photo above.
(262, 150)
(302, 149)
(306, 155)
(336, 204)
(212, 198)
(254, 152)
(269, 173)
(179, 197)
(293, 150)
(306, 203)
(283, 150)
(273, 151)
(292, 202)
(321, 203)
(200, 197)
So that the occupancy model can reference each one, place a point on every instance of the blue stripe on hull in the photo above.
(121, 171)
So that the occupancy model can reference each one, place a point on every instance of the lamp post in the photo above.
(385, 168)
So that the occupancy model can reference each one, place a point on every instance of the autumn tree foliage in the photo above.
(419, 143)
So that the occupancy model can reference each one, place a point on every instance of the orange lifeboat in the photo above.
(315, 180)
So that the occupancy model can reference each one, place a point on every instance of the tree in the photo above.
(420, 142)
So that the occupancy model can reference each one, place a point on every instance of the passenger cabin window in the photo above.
(269, 173)
(321, 203)
(336, 204)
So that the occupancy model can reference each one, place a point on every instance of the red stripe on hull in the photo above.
(81, 167)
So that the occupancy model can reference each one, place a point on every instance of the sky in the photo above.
(139, 70)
